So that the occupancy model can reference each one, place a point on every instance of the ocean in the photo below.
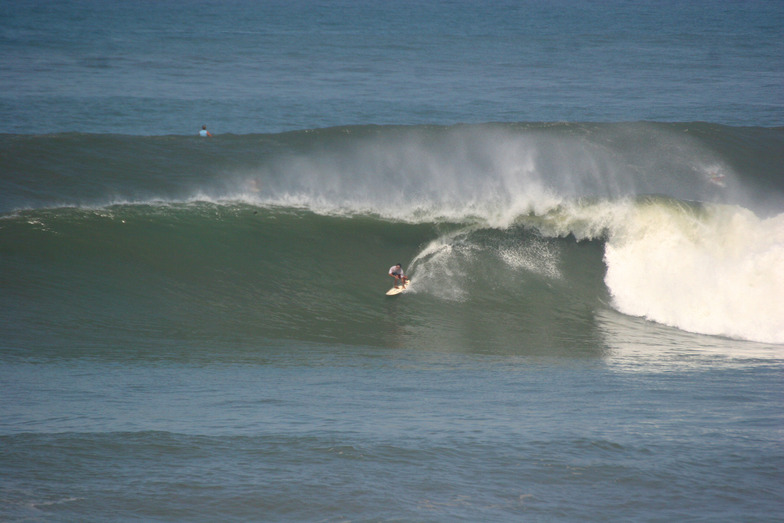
(587, 196)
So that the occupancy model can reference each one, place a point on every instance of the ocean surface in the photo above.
(588, 197)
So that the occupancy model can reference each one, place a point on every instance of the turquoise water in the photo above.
(196, 329)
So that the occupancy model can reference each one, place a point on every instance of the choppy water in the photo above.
(196, 329)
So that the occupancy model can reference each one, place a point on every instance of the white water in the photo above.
(708, 269)
(717, 272)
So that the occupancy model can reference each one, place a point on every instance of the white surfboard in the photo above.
(393, 291)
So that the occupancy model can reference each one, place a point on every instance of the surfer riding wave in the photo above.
(396, 271)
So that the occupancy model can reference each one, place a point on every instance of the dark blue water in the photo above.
(196, 329)
(239, 66)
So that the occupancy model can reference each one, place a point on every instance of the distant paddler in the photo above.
(204, 132)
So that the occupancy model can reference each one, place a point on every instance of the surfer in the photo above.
(396, 271)
(204, 132)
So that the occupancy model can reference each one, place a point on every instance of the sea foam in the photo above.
(717, 271)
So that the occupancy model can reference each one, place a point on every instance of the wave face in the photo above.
(508, 231)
